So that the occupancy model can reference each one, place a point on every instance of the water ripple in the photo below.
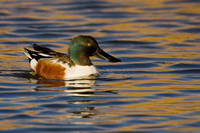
(154, 89)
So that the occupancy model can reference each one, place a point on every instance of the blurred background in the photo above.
(156, 87)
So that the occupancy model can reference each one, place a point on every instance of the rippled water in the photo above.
(156, 87)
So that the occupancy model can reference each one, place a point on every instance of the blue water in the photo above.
(156, 87)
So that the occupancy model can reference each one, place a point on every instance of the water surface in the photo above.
(156, 87)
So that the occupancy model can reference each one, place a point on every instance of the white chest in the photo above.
(79, 71)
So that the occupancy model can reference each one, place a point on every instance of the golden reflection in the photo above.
(158, 96)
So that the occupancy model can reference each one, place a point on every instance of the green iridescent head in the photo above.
(83, 46)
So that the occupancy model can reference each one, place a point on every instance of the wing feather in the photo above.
(43, 52)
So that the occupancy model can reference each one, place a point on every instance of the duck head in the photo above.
(83, 46)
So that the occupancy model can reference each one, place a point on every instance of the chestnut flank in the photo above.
(49, 70)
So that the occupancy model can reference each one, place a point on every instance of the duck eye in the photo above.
(89, 44)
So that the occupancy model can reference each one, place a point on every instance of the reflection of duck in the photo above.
(54, 65)
(80, 87)
(79, 83)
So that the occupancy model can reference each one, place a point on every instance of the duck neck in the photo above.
(80, 59)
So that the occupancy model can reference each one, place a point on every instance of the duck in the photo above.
(50, 64)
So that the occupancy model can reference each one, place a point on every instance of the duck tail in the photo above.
(28, 53)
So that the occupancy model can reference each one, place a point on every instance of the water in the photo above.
(156, 87)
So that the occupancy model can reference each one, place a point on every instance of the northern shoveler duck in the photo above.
(54, 65)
